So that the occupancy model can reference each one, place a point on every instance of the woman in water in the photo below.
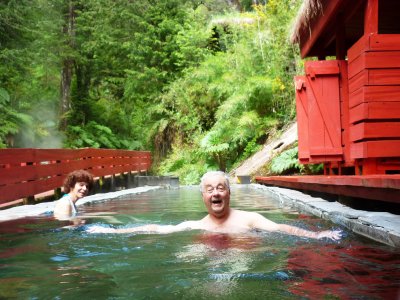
(76, 186)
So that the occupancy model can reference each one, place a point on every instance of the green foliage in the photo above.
(237, 94)
(96, 136)
(10, 120)
(187, 163)
(198, 82)
(286, 161)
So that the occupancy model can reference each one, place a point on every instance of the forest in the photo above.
(200, 83)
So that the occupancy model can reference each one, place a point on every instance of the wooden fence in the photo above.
(28, 172)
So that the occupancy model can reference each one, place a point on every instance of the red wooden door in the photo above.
(323, 95)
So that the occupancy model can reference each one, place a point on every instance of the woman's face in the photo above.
(79, 190)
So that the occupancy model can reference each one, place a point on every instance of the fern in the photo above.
(286, 161)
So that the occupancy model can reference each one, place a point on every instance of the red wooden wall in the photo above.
(28, 172)
(374, 102)
(348, 112)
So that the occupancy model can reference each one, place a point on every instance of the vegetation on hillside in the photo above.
(199, 83)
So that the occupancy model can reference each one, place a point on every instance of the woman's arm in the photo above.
(62, 210)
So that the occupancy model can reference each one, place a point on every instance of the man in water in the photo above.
(221, 217)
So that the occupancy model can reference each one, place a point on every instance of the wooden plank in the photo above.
(374, 60)
(357, 81)
(317, 159)
(375, 111)
(384, 42)
(377, 149)
(374, 77)
(323, 151)
(375, 94)
(30, 188)
(374, 42)
(344, 111)
(359, 47)
(377, 187)
(302, 118)
(325, 67)
(384, 76)
(376, 130)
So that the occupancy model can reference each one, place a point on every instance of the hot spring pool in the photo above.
(40, 260)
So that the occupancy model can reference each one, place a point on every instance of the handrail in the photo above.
(25, 172)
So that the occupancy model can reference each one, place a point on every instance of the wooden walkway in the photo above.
(375, 187)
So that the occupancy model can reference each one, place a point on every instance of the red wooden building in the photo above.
(348, 100)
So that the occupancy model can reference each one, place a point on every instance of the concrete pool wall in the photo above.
(382, 227)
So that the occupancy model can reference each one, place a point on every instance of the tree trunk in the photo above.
(67, 64)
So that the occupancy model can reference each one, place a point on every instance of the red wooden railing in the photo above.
(28, 172)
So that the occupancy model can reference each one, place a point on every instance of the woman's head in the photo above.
(75, 177)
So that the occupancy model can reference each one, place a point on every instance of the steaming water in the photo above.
(41, 260)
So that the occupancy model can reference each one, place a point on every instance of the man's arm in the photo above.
(151, 228)
(260, 222)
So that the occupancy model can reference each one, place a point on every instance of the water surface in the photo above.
(41, 260)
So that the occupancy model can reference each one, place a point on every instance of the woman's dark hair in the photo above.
(77, 176)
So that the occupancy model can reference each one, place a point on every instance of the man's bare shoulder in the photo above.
(244, 214)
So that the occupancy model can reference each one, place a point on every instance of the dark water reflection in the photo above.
(39, 260)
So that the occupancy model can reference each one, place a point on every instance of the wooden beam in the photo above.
(376, 187)
(371, 17)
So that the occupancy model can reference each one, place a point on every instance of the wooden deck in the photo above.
(375, 187)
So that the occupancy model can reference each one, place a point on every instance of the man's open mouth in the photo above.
(216, 201)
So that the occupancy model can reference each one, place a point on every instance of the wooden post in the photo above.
(29, 200)
(371, 17)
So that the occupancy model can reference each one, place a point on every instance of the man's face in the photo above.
(216, 195)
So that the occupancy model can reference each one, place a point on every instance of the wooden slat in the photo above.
(344, 111)
(374, 60)
(302, 118)
(384, 42)
(384, 76)
(375, 111)
(376, 187)
(30, 188)
(375, 94)
(374, 77)
(358, 81)
(374, 42)
(371, 149)
(376, 130)
(325, 67)
(359, 47)
(322, 151)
